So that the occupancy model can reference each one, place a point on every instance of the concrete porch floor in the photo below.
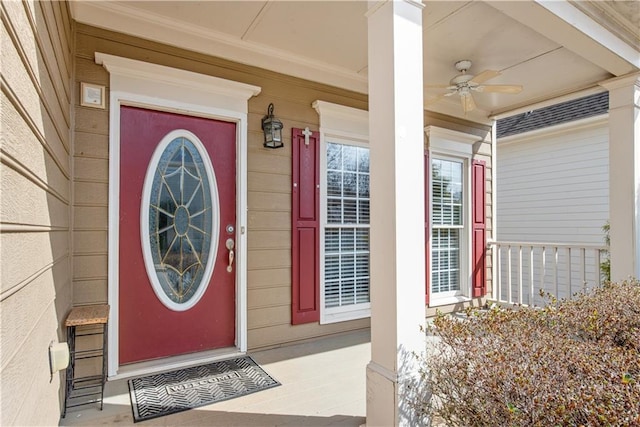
(323, 384)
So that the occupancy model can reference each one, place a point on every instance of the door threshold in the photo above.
(174, 362)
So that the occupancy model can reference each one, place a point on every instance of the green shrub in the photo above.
(573, 363)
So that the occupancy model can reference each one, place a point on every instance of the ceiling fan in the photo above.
(464, 84)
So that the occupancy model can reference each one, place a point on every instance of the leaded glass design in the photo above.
(447, 222)
(346, 237)
(180, 220)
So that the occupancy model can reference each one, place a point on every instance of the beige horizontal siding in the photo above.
(269, 278)
(90, 266)
(26, 252)
(269, 297)
(91, 218)
(90, 291)
(32, 202)
(38, 295)
(35, 206)
(88, 169)
(46, 73)
(34, 116)
(90, 146)
(88, 193)
(84, 242)
(269, 239)
(269, 182)
(265, 259)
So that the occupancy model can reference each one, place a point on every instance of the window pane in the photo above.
(363, 159)
(349, 184)
(363, 212)
(363, 185)
(331, 294)
(362, 239)
(362, 265)
(347, 237)
(348, 292)
(350, 213)
(334, 210)
(447, 191)
(332, 240)
(332, 267)
(445, 260)
(457, 214)
(334, 183)
(334, 157)
(362, 291)
(349, 157)
(346, 263)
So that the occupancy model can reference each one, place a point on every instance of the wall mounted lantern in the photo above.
(272, 129)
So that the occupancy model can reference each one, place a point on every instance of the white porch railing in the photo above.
(524, 268)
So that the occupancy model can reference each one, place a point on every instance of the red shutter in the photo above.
(305, 230)
(479, 228)
(427, 229)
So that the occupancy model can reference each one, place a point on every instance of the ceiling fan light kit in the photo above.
(463, 84)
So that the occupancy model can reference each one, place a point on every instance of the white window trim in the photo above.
(157, 87)
(457, 146)
(348, 126)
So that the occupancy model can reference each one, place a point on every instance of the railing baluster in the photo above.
(597, 269)
(531, 286)
(509, 274)
(520, 284)
(543, 266)
(498, 275)
(555, 271)
(583, 267)
(569, 272)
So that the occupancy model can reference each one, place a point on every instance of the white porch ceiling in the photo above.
(531, 43)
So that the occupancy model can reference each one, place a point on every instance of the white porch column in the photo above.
(397, 206)
(624, 175)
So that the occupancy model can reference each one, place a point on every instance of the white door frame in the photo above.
(157, 87)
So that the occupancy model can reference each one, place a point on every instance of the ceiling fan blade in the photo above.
(435, 99)
(468, 104)
(484, 76)
(439, 86)
(500, 88)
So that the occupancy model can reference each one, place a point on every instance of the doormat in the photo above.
(176, 391)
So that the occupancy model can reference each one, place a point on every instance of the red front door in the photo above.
(177, 223)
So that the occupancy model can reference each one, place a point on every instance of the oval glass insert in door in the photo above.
(180, 220)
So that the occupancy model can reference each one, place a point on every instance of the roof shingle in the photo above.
(564, 112)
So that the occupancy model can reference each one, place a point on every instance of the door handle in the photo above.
(230, 245)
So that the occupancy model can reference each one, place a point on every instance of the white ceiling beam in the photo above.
(564, 24)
